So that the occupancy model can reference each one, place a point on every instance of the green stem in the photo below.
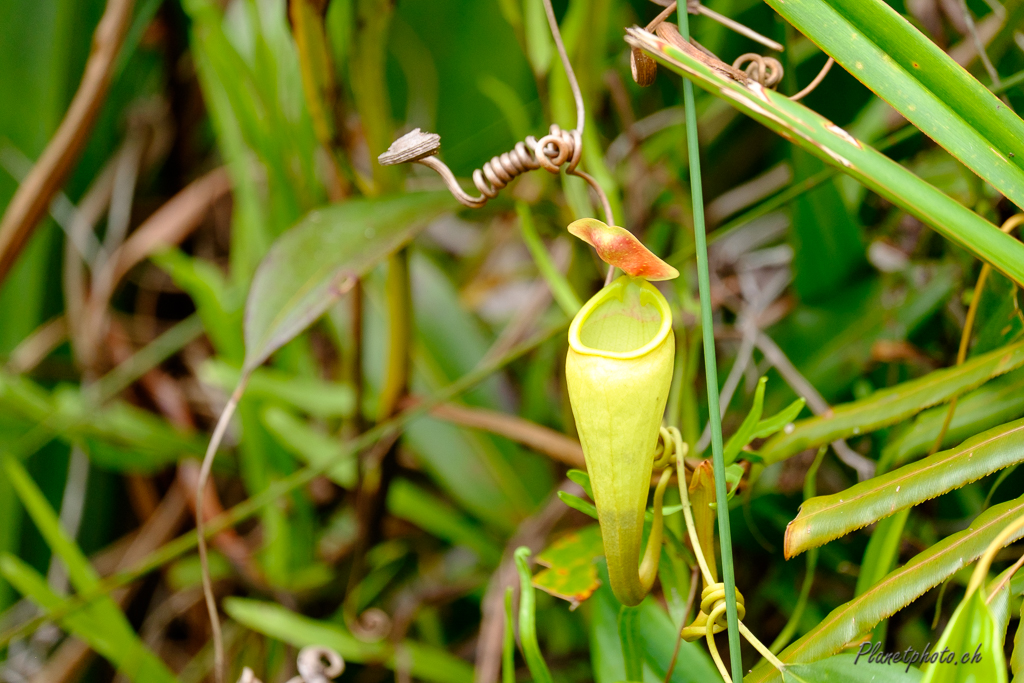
(528, 621)
(710, 368)
(508, 649)
(632, 654)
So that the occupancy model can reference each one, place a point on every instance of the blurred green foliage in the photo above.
(859, 295)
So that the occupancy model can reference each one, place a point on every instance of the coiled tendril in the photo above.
(559, 148)
(765, 70)
(551, 152)
(315, 665)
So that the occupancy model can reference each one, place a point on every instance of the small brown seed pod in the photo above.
(644, 68)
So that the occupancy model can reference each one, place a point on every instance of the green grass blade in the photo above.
(711, 365)
(560, 287)
(893, 405)
(825, 518)
(107, 627)
(101, 625)
(897, 590)
(413, 504)
(838, 148)
(310, 445)
(750, 423)
(907, 70)
(310, 395)
(629, 636)
(80, 572)
(423, 662)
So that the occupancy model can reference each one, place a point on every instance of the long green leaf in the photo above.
(750, 423)
(302, 440)
(315, 263)
(994, 403)
(893, 405)
(119, 435)
(100, 624)
(310, 395)
(423, 662)
(897, 590)
(879, 558)
(845, 668)
(103, 625)
(882, 50)
(824, 518)
(835, 146)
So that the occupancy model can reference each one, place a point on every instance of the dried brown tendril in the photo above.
(315, 664)
(765, 70)
(553, 151)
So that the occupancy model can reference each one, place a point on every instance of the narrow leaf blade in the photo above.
(889, 406)
(897, 590)
(838, 148)
(825, 518)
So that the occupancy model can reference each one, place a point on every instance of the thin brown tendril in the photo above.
(765, 70)
(581, 112)
(816, 82)
(751, 66)
(204, 562)
(695, 7)
(553, 151)
(965, 338)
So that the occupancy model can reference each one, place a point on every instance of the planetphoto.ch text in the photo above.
(872, 653)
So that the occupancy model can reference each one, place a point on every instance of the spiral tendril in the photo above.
(559, 148)
(765, 70)
(316, 664)
(551, 152)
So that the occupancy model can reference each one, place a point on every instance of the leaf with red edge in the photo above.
(618, 247)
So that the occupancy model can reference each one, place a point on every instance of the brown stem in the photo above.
(534, 436)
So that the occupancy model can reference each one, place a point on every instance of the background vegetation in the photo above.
(834, 273)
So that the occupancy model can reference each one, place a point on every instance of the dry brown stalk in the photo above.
(169, 225)
(530, 434)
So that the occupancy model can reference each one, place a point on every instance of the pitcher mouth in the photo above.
(648, 300)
